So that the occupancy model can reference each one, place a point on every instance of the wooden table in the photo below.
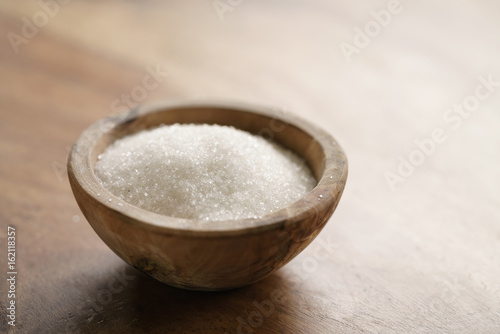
(409, 251)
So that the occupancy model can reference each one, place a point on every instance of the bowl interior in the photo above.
(321, 152)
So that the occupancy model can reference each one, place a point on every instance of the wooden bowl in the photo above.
(228, 254)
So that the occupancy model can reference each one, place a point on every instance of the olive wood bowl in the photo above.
(220, 255)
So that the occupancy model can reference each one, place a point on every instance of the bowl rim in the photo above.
(327, 191)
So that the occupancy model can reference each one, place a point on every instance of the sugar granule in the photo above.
(207, 172)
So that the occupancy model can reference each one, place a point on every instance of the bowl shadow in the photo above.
(136, 303)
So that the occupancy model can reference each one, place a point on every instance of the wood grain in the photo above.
(420, 259)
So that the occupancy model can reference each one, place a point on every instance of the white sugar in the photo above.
(207, 172)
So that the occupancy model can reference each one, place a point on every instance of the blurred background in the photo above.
(414, 244)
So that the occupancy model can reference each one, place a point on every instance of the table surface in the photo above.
(414, 246)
